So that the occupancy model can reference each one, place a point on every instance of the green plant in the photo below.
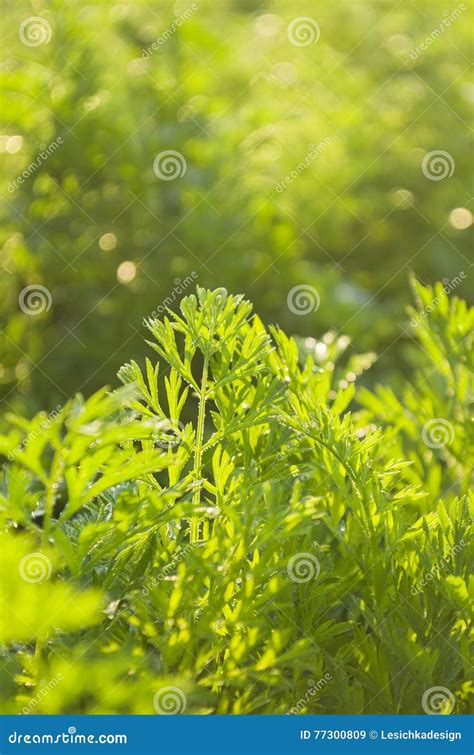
(249, 529)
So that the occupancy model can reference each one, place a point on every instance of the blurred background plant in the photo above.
(298, 162)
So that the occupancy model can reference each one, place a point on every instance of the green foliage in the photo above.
(243, 107)
(233, 525)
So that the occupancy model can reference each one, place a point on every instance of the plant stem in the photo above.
(198, 449)
(55, 476)
(39, 656)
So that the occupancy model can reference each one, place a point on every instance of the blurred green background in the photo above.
(257, 209)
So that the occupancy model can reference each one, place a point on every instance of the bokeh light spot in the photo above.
(460, 218)
(126, 272)
(108, 241)
(14, 144)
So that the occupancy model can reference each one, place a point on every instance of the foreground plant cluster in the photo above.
(238, 530)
